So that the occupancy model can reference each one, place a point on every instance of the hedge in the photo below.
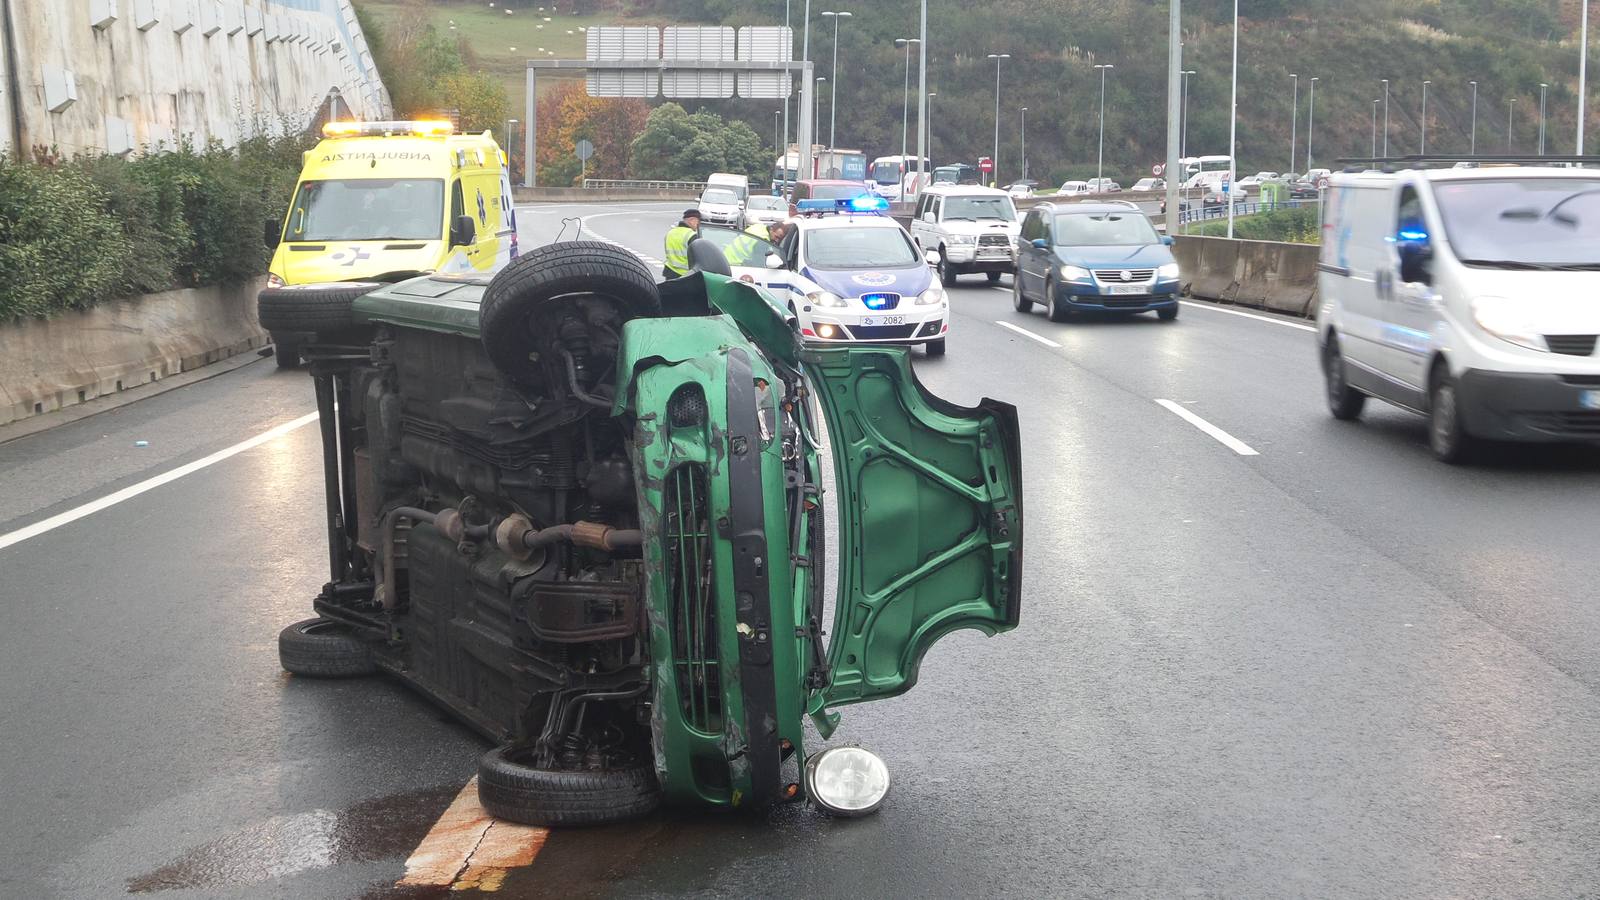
(74, 233)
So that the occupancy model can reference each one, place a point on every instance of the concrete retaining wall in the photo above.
(597, 195)
(47, 364)
(1266, 274)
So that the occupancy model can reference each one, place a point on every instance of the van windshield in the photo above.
(367, 209)
(1523, 223)
(1105, 229)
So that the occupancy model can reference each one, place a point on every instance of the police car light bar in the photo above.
(866, 203)
(352, 129)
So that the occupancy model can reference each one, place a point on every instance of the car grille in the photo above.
(881, 332)
(1572, 344)
(1569, 424)
(1124, 302)
(695, 660)
(883, 301)
(994, 240)
(1114, 276)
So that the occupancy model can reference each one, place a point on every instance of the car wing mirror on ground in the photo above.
(932, 257)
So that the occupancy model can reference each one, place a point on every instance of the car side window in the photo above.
(458, 204)
(922, 205)
(1030, 227)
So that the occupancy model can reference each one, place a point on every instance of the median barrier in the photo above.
(1267, 274)
(75, 356)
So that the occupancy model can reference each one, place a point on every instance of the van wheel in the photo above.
(324, 648)
(1447, 434)
(511, 788)
(994, 277)
(1344, 401)
(286, 351)
(1019, 300)
(314, 308)
(947, 272)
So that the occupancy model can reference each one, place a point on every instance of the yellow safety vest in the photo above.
(743, 249)
(676, 257)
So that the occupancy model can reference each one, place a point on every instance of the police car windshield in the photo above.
(1523, 223)
(1104, 229)
(367, 209)
(980, 208)
(858, 248)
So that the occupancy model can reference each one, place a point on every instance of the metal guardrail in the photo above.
(1241, 208)
(631, 184)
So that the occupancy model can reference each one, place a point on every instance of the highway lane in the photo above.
(1336, 667)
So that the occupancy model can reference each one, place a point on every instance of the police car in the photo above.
(849, 272)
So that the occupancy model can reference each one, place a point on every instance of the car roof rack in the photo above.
(1392, 164)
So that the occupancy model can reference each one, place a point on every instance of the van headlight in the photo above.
(930, 296)
(825, 298)
(1168, 272)
(1074, 273)
(846, 781)
(1507, 320)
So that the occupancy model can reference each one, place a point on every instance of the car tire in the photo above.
(947, 272)
(935, 348)
(994, 277)
(1168, 315)
(310, 308)
(1019, 300)
(544, 286)
(1058, 311)
(510, 789)
(286, 351)
(1344, 401)
(1447, 434)
(324, 648)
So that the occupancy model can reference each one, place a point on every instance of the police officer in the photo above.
(745, 250)
(676, 254)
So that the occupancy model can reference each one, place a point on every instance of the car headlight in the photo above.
(930, 296)
(1074, 273)
(846, 781)
(825, 298)
(962, 239)
(1508, 321)
(1168, 272)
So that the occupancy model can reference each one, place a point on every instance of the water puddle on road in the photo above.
(373, 830)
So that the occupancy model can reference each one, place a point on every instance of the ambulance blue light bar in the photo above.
(866, 203)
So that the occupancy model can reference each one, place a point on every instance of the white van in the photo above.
(1468, 296)
(974, 229)
(739, 184)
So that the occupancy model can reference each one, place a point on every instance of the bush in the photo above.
(60, 247)
(1297, 225)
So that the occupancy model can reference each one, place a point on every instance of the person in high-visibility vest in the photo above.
(745, 250)
(675, 257)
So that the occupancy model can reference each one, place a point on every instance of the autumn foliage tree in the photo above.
(568, 114)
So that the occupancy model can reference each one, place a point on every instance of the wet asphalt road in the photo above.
(1336, 668)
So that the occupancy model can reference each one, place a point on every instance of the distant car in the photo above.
(1074, 189)
(721, 206)
(1258, 179)
(1150, 184)
(1103, 186)
(1101, 257)
(765, 209)
(1021, 188)
(1304, 189)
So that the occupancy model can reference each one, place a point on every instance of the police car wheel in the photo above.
(935, 348)
(313, 308)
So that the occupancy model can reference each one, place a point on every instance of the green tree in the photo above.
(677, 146)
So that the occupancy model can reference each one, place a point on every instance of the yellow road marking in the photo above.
(469, 849)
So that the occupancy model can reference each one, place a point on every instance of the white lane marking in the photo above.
(1028, 334)
(134, 490)
(1222, 437)
(469, 849)
(1234, 312)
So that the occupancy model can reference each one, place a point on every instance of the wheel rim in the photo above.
(1444, 417)
(326, 626)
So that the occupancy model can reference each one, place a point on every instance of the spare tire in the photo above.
(525, 306)
(310, 308)
(511, 789)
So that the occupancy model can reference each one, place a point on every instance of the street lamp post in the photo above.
(777, 131)
(1233, 122)
(1375, 128)
(816, 117)
(1024, 143)
(1583, 69)
(994, 161)
(1100, 164)
(783, 140)
(1311, 121)
(1474, 150)
(1425, 116)
(905, 116)
(833, 86)
(1294, 120)
(1543, 87)
(929, 126)
(1511, 115)
(1183, 151)
(1386, 118)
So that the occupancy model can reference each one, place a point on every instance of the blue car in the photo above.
(1094, 257)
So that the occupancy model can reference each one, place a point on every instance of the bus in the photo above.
(1208, 171)
(889, 173)
(847, 165)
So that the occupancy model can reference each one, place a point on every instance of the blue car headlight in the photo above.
(1074, 273)
(1168, 272)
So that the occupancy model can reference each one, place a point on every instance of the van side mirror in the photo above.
(1415, 257)
(462, 231)
(1040, 244)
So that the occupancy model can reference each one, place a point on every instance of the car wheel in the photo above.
(947, 272)
(310, 308)
(1344, 401)
(1447, 434)
(1019, 300)
(510, 788)
(324, 648)
(1058, 310)
(994, 277)
(286, 351)
(1169, 314)
(935, 348)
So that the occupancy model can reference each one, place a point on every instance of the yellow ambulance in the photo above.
(381, 201)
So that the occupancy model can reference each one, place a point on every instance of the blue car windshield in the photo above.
(1104, 229)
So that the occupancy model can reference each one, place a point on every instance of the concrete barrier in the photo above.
(47, 364)
(597, 195)
(1266, 274)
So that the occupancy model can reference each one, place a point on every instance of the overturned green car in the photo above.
(585, 513)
